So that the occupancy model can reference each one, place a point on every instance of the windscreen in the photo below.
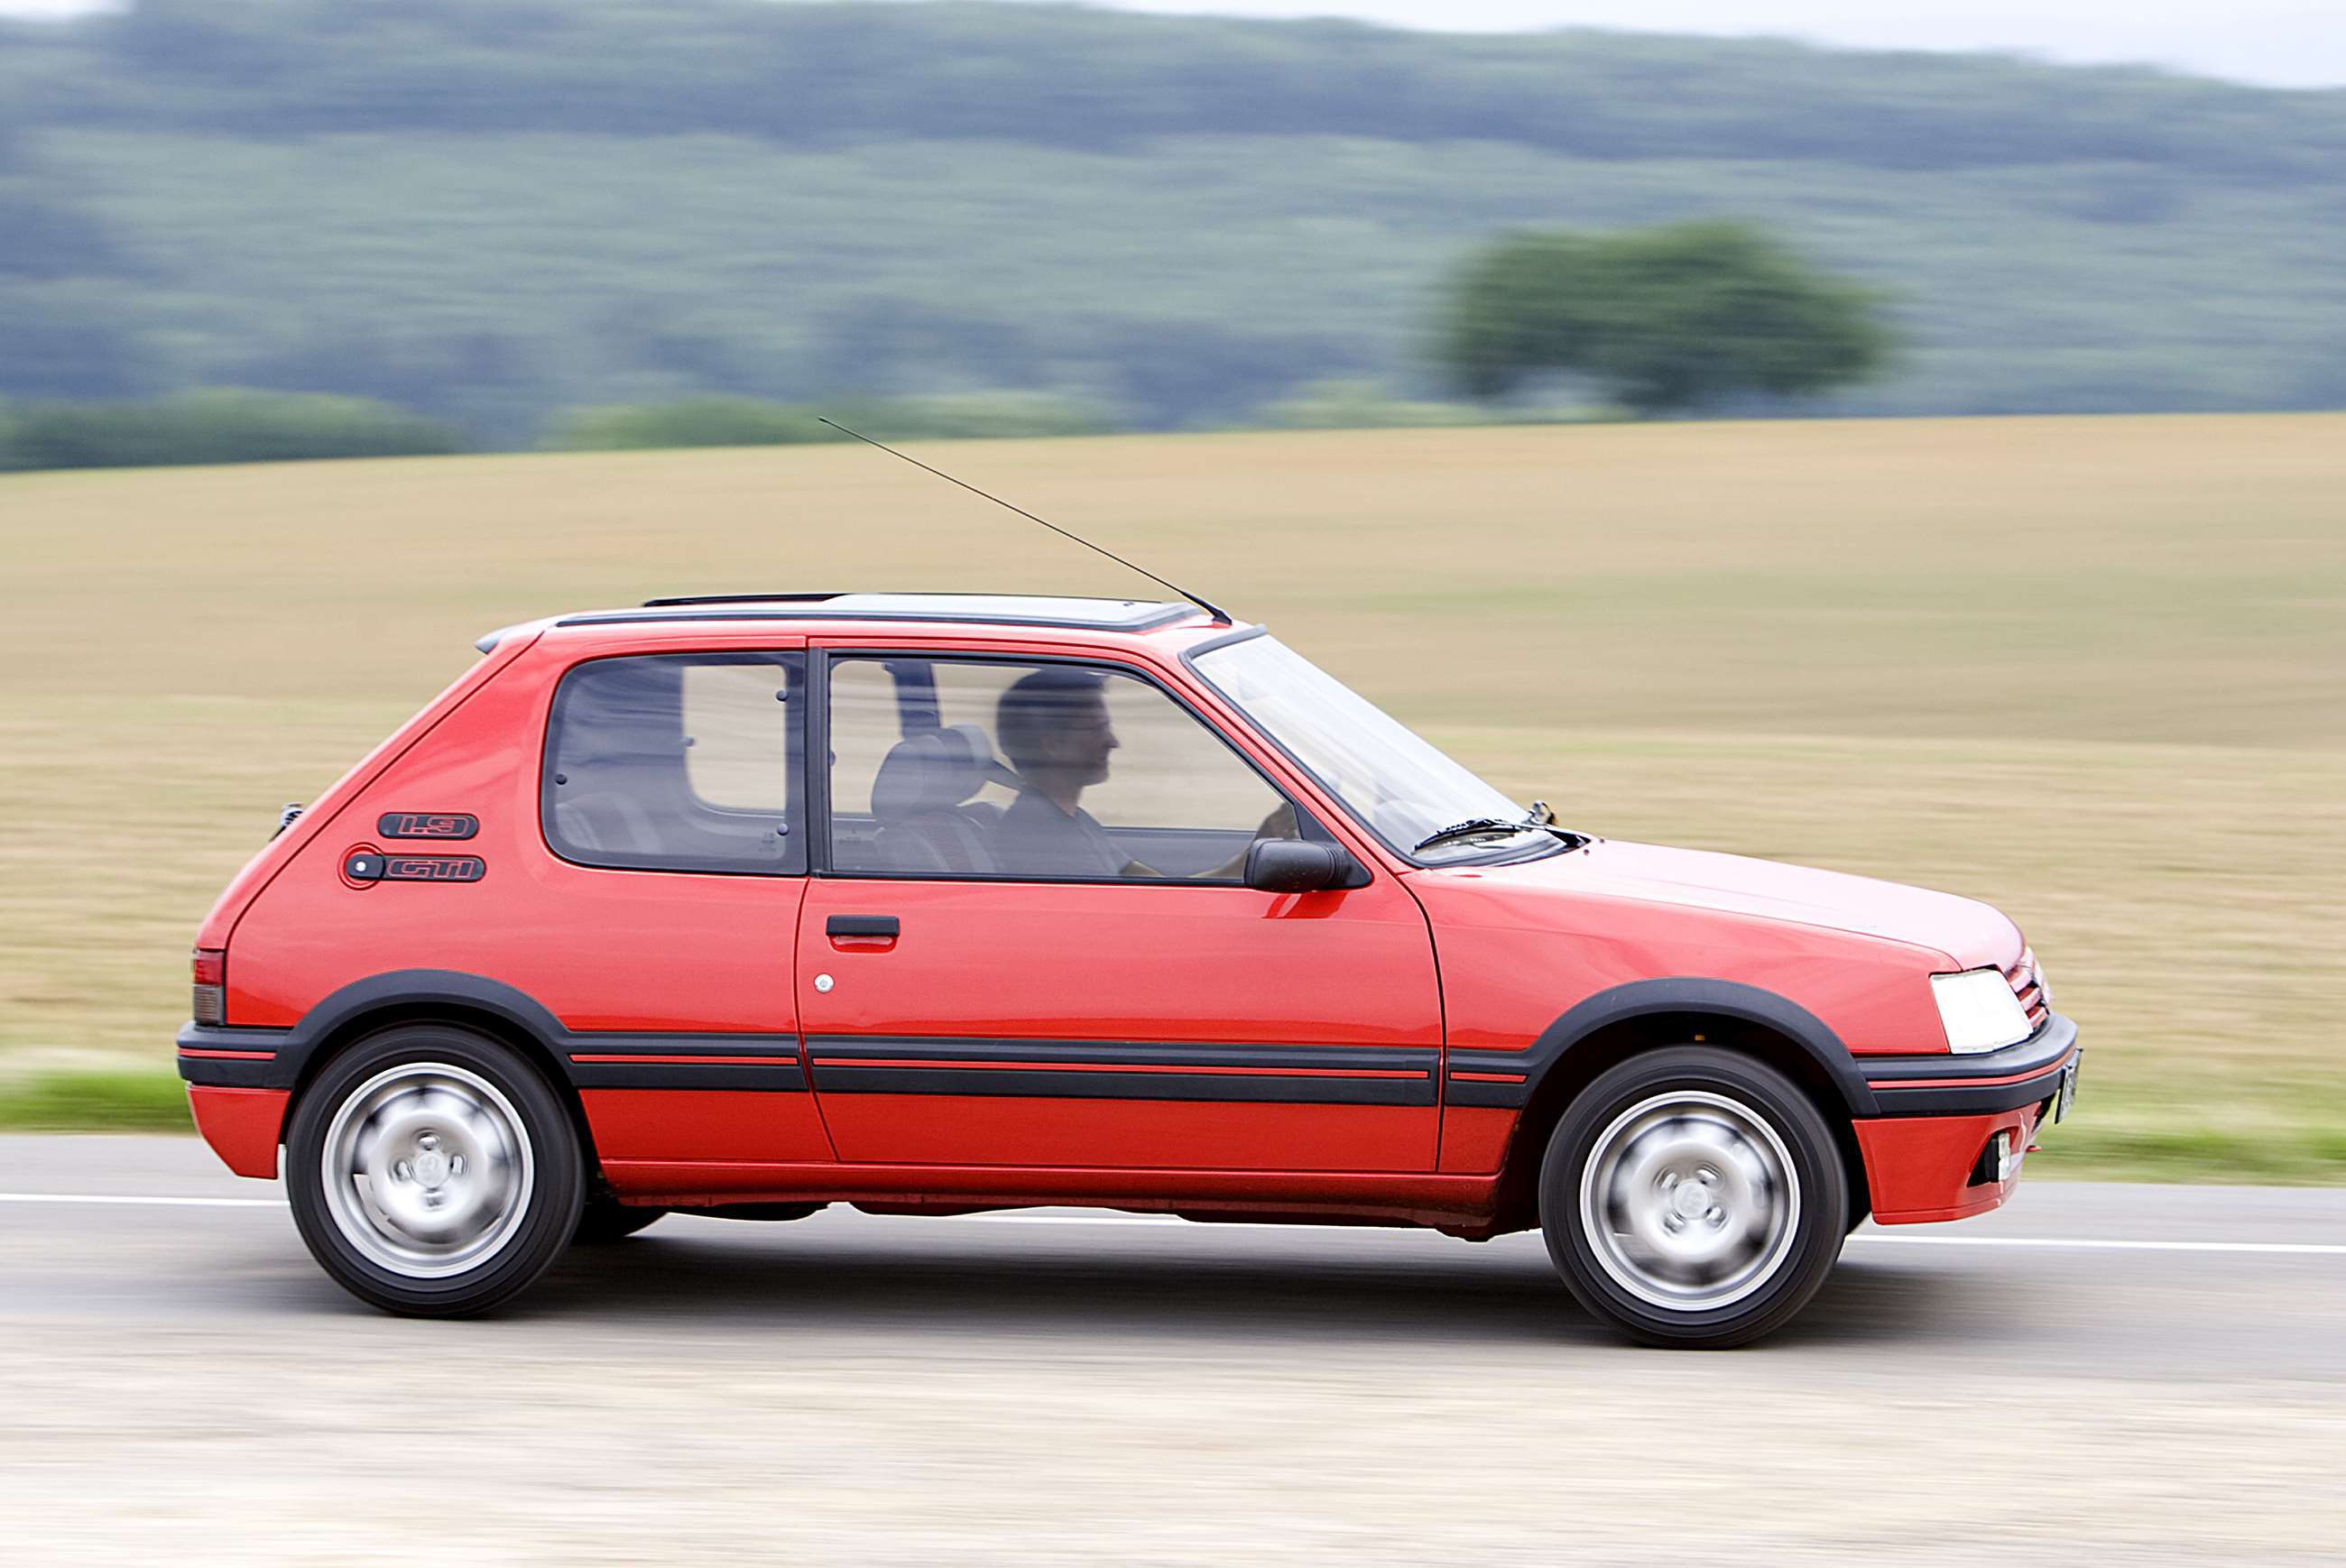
(1394, 781)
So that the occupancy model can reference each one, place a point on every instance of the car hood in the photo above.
(1971, 933)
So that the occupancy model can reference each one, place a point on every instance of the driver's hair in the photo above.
(1039, 705)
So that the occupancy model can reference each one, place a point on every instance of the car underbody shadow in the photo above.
(1007, 1280)
(1871, 1299)
(1301, 1284)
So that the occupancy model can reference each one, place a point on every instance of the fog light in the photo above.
(1996, 1162)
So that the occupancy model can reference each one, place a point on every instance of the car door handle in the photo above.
(860, 925)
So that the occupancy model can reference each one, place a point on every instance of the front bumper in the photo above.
(1939, 1112)
(1941, 1085)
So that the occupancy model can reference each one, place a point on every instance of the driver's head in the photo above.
(1053, 723)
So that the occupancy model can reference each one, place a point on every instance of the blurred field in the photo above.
(2092, 670)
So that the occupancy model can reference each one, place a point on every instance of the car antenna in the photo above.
(1210, 608)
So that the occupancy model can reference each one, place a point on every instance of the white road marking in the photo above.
(2280, 1248)
(154, 1202)
(2305, 1249)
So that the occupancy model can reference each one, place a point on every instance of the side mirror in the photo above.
(1301, 866)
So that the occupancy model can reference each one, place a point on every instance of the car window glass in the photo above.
(679, 762)
(736, 737)
(1033, 771)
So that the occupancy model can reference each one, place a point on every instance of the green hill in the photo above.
(489, 209)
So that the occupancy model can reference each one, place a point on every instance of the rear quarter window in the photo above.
(678, 762)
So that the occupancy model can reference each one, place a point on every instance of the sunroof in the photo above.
(1008, 607)
(1001, 610)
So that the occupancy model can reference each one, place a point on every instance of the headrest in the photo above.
(932, 772)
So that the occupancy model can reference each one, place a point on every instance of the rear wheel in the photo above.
(1693, 1196)
(433, 1172)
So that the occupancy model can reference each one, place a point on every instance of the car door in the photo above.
(1029, 942)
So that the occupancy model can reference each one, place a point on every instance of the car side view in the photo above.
(935, 903)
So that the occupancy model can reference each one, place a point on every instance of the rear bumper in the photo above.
(242, 1126)
(1940, 1113)
(238, 1087)
(218, 1056)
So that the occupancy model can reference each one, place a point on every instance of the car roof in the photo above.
(951, 609)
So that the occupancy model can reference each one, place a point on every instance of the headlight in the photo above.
(1979, 1010)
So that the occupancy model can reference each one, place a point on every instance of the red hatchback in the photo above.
(935, 903)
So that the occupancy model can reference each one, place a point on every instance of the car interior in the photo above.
(689, 762)
(1177, 801)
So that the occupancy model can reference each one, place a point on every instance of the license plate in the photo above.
(2068, 1095)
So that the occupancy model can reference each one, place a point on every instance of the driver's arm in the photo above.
(1279, 824)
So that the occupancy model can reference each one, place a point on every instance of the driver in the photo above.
(1054, 727)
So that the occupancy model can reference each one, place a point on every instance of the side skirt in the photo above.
(1443, 1201)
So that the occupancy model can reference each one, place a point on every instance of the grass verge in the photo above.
(96, 1101)
(2124, 1150)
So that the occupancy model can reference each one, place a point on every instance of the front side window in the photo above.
(678, 762)
(1400, 785)
(1034, 771)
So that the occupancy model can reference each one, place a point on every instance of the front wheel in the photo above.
(433, 1172)
(1692, 1196)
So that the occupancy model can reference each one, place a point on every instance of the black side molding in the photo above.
(1300, 1075)
(245, 1057)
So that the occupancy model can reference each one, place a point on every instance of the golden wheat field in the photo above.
(2093, 670)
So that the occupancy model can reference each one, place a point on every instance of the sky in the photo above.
(2277, 42)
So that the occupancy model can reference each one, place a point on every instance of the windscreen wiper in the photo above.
(1471, 826)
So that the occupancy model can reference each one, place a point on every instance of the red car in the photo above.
(933, 903)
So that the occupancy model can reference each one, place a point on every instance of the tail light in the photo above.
(211, 985)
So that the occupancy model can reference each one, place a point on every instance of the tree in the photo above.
(1667, 318)
(218, 424)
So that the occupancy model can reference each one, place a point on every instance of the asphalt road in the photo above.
(2128, 1374)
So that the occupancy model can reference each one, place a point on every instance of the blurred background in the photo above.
(499, 220)
(1906, 442)
(1608, 404)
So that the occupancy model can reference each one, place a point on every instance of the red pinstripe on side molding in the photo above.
(720, 1061)
(959, 1064)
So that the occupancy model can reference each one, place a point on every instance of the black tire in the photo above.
(1749, 1146)
(460, 1091)
(605, 1220)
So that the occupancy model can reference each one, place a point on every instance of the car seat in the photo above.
(917, 799)
(607, 821)
(608, 801)
(618, 762)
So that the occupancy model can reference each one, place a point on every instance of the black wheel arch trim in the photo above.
(411, 989)
(1653, 998)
